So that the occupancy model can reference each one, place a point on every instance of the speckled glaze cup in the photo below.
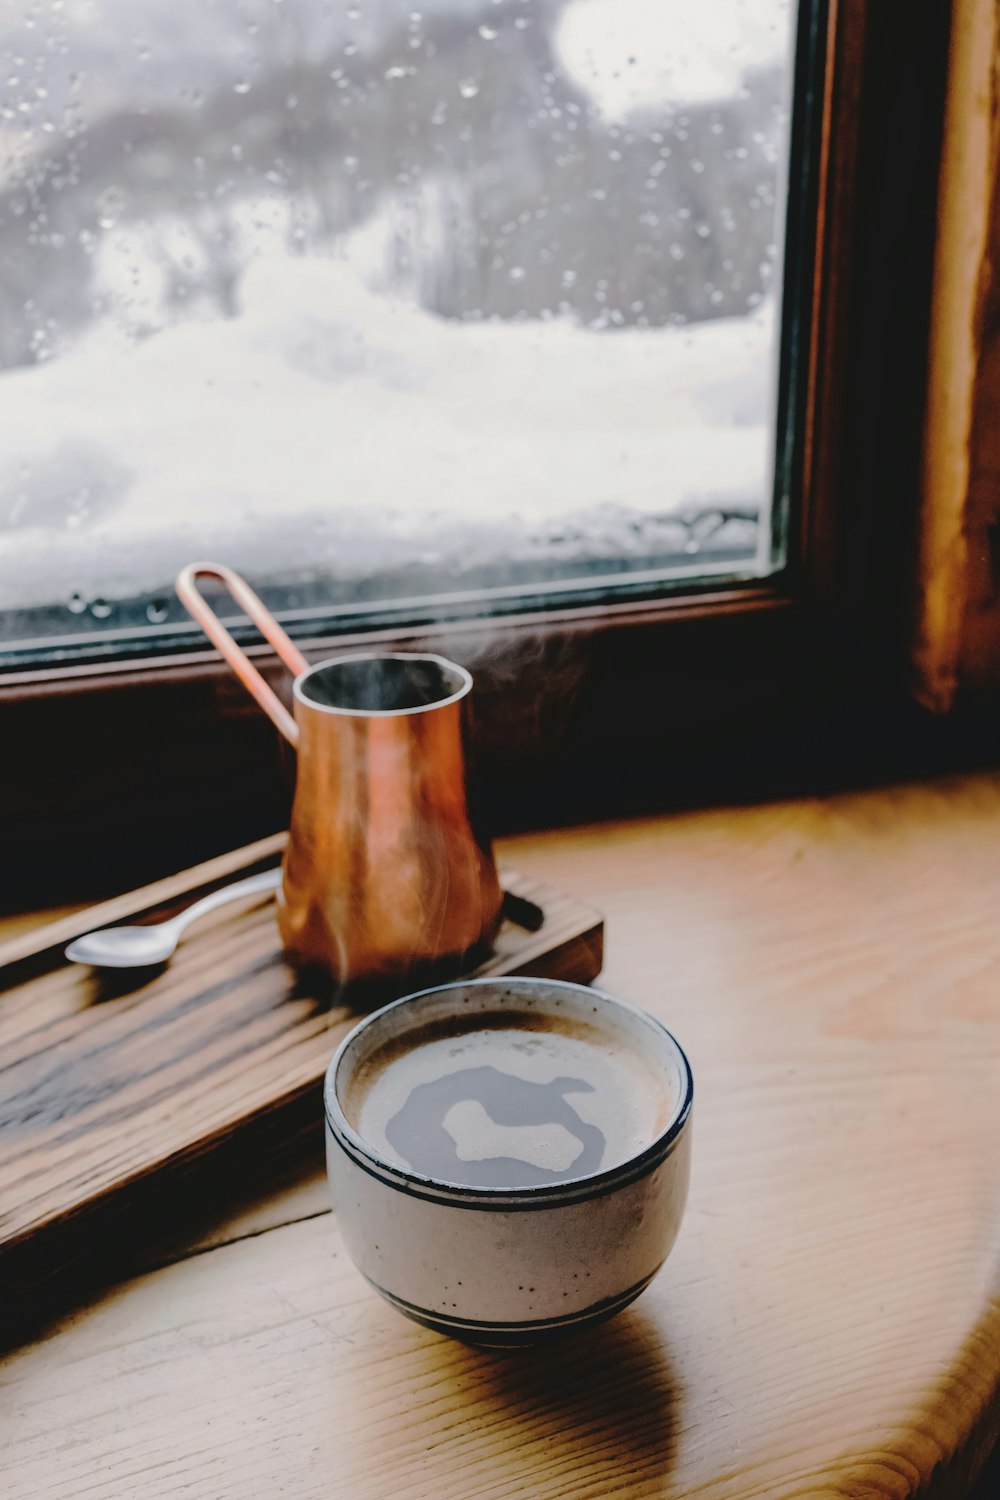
(509, 1266)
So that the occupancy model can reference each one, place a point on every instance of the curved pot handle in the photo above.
(220, 637)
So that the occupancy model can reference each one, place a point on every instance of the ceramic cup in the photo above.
(509, 1266)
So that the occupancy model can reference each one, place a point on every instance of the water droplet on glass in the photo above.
(242, 87)
(110, 204)
(76, 603)
(100, 609)
(488, 33)
(157, 611)
(468, 88)
(516, 273)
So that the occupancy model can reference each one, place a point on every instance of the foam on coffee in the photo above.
(507, 1100)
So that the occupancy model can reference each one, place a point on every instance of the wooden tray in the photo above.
(113, 1091)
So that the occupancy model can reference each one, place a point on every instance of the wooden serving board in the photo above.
(112, 1090)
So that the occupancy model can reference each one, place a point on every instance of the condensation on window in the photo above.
(384, 300)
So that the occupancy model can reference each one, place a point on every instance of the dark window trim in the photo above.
(193, 665)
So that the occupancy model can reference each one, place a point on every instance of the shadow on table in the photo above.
(576, 1416)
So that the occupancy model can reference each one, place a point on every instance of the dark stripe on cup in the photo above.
(507, 1335)
(523, 1201)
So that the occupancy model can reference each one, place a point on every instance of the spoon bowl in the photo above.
(125, 947)
(144, 947)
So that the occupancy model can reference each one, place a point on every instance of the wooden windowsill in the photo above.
(830, 1319)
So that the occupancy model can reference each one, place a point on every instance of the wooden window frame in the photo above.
(116, 774)
(957, 651)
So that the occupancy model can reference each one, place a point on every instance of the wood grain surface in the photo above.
(829, 1322)
(111, 1085)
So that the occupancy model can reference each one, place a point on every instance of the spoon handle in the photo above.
(268, 880)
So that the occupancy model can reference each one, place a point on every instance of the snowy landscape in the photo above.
(374, 302)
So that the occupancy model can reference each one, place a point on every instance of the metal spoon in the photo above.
(141, 947)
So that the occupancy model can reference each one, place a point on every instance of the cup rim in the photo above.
(299, 694)
(537, 1195)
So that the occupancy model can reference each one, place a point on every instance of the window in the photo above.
(631, 671)
(405, 310)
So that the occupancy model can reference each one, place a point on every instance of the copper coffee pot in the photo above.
(385, 879)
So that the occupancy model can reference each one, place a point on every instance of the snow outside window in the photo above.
(400, 299)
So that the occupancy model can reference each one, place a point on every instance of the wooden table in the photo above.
(829, 1323)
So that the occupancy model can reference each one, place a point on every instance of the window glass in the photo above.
(388, 302)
